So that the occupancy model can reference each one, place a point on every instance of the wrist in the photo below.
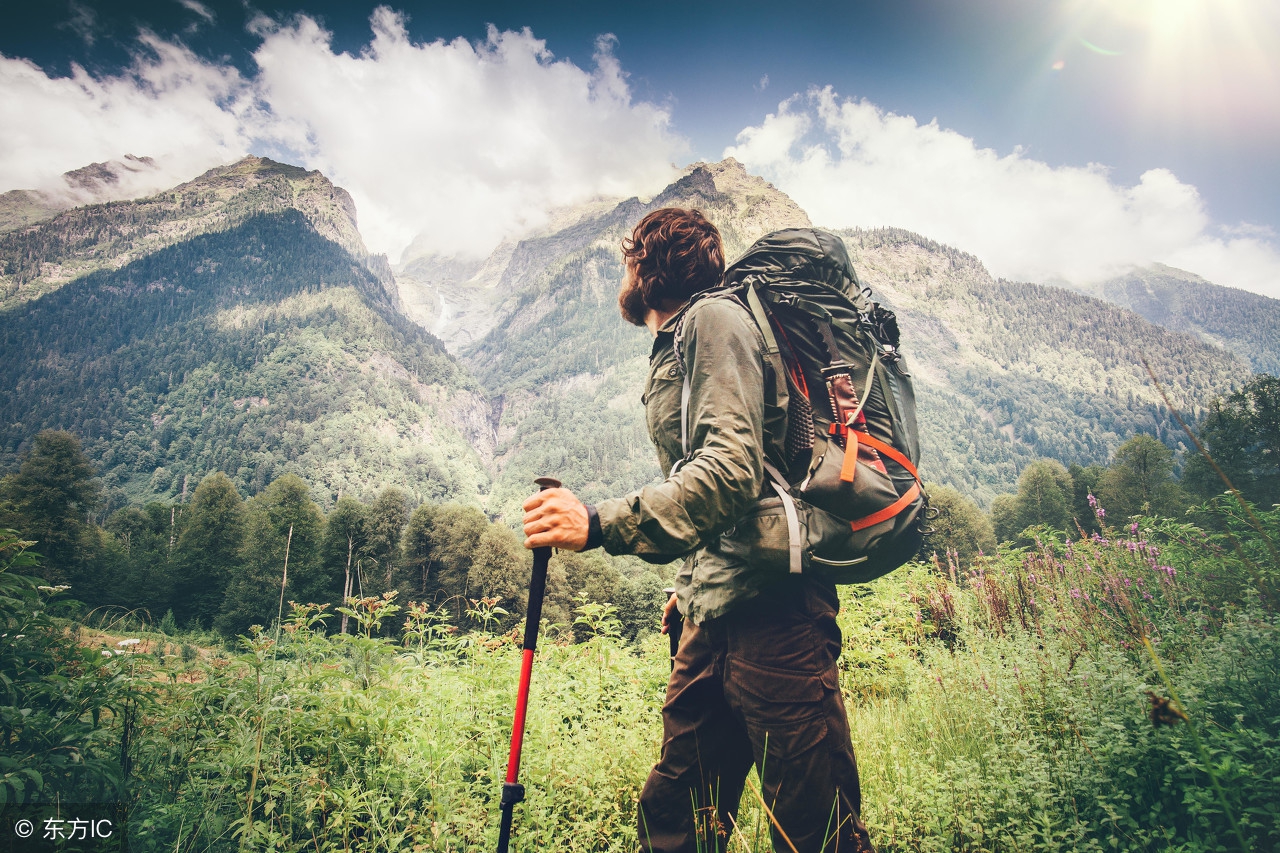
(595, 533)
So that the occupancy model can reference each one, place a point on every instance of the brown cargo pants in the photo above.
(757, 686)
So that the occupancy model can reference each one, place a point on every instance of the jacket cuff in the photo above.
(595, 534)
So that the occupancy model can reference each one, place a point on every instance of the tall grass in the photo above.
(1009, 705)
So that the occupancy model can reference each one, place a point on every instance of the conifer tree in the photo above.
(207, 551)
(282, 518)
(50, 500)
(1242, 433)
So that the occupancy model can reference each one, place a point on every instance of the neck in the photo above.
(655, 319)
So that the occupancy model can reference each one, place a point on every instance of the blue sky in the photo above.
(1055, 139)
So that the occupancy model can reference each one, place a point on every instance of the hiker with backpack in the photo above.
(783, 420)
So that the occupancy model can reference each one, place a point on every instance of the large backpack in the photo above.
(840, 417)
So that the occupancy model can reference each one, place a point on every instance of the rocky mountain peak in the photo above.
(83, 239)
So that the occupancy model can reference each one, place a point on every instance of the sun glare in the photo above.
(1210, 60)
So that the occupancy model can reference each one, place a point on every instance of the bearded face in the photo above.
(631, 298)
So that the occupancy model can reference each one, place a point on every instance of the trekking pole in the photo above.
(513, 791)
(674, 628)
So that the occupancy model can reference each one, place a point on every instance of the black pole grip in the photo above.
(537, 591)
(538, 582)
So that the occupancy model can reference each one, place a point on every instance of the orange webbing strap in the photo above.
(888, 512)
(892, 452)
(850, 466)
(901, 503)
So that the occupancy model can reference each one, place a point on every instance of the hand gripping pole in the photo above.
(513, 791)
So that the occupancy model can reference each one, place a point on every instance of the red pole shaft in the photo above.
(517, 729)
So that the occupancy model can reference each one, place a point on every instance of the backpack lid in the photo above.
(804, 254)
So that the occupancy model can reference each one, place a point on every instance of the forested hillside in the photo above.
(1006, 372)
(1245, 323)
(254, 351)
(1009, 372)
(40, 258)
(255, 367)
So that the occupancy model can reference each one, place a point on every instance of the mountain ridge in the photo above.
(546, 377)
(42, 257)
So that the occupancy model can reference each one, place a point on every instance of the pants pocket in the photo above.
(783, 709)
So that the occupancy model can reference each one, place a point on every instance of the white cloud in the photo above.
(198, 8)
(460, 143)
(849, 163)
(188, 114)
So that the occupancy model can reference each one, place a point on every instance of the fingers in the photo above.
(555, 518)
(667, 610)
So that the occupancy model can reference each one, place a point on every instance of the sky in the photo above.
(1056, 140)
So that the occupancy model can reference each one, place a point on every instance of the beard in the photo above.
(631, 302)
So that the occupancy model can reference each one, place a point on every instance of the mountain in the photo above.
(1247, 324)
(38, 259)
(237, 323)
(1006, 372)
(96, 182)
(463, 299)
(259, 349)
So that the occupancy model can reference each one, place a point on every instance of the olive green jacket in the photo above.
(710, 510)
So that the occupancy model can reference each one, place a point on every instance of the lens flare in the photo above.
(1101, 51)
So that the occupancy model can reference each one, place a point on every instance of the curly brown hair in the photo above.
(674, 253)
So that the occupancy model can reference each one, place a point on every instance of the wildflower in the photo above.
(1075, 593)
(1100, 513)
(106, 653)
(1133, 529)
(1093, 502)
(1168, 570)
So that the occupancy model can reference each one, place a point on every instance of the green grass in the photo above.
(1004, 706)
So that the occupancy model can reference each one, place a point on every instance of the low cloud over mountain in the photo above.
(851, 164)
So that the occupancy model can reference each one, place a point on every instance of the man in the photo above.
(755, 678)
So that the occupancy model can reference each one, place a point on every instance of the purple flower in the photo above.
(1075, 593)
(1133, 528)
(1093, 502)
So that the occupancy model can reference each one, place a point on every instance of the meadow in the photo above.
(1114, 693)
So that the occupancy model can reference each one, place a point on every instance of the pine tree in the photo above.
(282, 520)
(50, 500)
(208, 548)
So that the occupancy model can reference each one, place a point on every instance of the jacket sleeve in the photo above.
(723, 354)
